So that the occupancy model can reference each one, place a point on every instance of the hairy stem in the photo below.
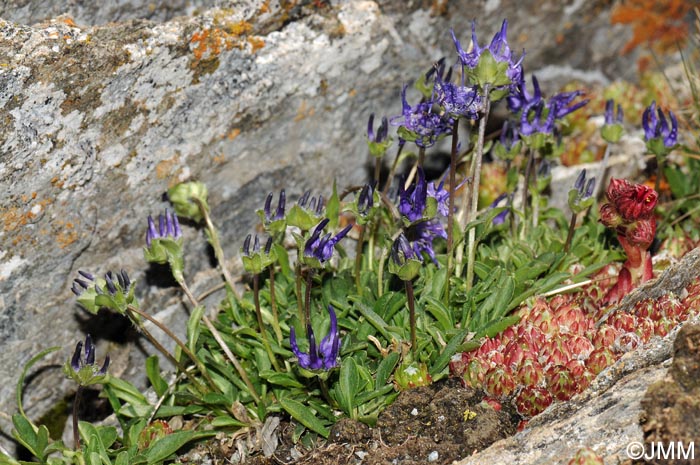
(76, 408)
(451, 206)
(227, 351)
(273, 305)
(133, 310)
(476, 178)
(358, 258)
(570, 235)
(261, 324)
(216, 245)
(392, 172)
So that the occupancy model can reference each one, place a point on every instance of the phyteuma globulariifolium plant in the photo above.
(449, 276)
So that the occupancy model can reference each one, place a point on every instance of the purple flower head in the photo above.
(419, 123)
(321, 248)
(520, 99)
(313, 205)
(421, 235)
(509, 135)
(279, 213)
(499, 49)
(609, 110)
(562, 103)
(168, 226)
(84, 282)
(365, 200)
(401, 251)
(441, 195)
(78, 363)
(658, 127)
(121, 278)
(457, 101)
(256, 246)
(382, 130)
(412, 201)
(323, 356)
(534, 121)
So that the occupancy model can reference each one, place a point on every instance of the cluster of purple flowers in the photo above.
(538, 115)
(323, 356)
(657, 127)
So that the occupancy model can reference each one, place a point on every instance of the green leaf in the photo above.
(348, 386)
(374, 319)
(193, 328)
(227, 422)
(127, 392)
(122, 458)
(385, 368)
(153, 374)
(448, 352)
(168, 445)
(505, 292)
(280, 379)
(304, 416)
(26, 435)
(25, 370)
(441, 313)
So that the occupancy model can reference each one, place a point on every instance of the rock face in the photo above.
(97, 121)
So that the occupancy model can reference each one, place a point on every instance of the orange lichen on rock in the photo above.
(66, 234)
(256, 43)
(658, 23)
(165, 168)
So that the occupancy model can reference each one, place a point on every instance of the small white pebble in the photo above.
(433, 456)
(441, 418)
(361, 454)
(414, 412)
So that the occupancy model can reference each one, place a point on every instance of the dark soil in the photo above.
(437, 424)
(671, 408)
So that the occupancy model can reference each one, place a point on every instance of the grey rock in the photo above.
(97, 121)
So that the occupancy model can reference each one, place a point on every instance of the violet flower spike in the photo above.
(520, 99)
(421, 236)
(325, 355)
(168, 226)
(279, 213)
(77, 362)
(82, 284)
(560, 103)
(658, 127)
(412, 201)
(421, 122)
(610, 118)
(321, 248)
(382, 130)
(365, 201)
(401, 250)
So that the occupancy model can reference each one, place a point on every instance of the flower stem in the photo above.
(377, 169)
(261, 324)
(476, 178)
(358, 259)
(216, 245)
(300, 304)
(307, 299)
(133, 310)
(273, 304)
(451, 206)
(526, 185)
(76, 408)
(392, 172)
(570, 236)
(412, 315)
(217, 336)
